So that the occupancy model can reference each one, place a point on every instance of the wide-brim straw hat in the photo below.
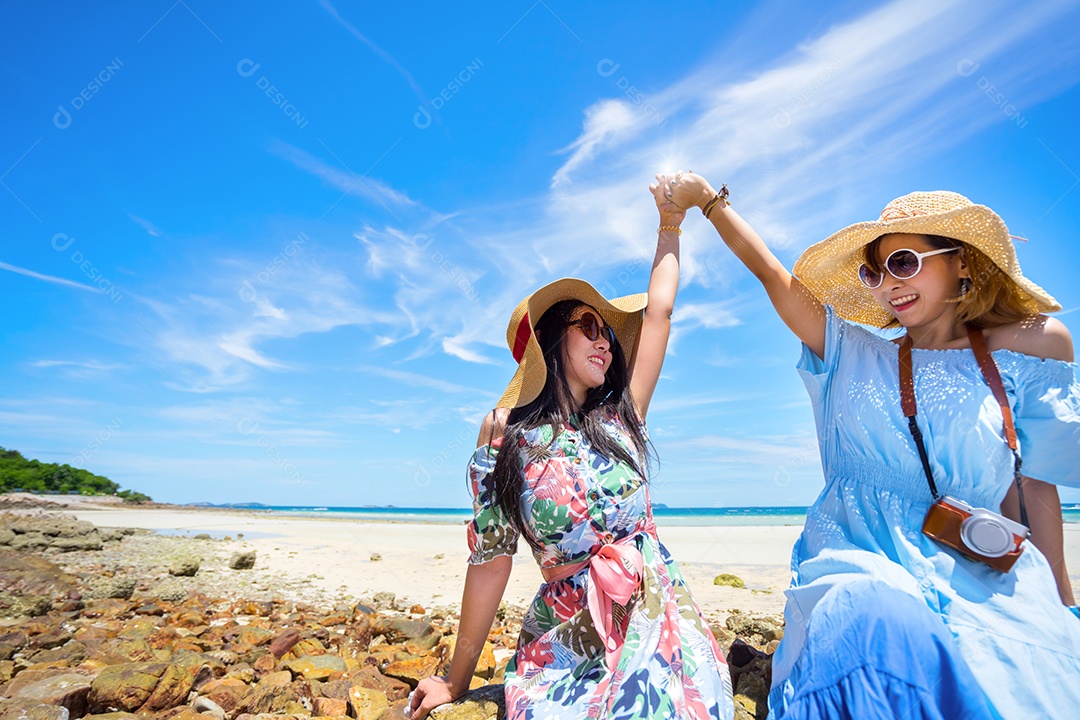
(622, 314)
(829, 269)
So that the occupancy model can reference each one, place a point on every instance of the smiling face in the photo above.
(927, 299)
(586, 361)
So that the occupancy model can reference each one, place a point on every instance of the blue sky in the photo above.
(259, 253)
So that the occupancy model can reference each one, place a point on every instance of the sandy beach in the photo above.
(425, 563)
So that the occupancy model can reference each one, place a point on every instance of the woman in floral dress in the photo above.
(560, 463)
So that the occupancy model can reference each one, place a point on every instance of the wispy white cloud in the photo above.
(416, 380)
(145, 225)
(46, 278)
(92, 365)
(604, 121)
(853, 107)
(215, 339)
(390, 59)
(81, 370)
(349, 181)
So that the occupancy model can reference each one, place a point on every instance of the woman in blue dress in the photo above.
(883, 620)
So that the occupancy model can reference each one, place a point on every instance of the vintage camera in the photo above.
(977, 533)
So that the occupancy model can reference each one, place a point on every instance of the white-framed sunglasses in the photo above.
(902, 264)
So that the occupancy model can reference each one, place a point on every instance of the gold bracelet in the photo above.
(672, 228)
(721, 195)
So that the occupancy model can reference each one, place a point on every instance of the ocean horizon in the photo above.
(670, 516)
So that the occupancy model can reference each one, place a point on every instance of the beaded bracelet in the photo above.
(672, 228)
(721, 195)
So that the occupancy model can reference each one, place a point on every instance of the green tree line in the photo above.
(19, 474)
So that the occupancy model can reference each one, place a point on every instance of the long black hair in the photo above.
(554, 407)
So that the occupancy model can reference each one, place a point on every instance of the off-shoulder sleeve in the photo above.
(490, 534)
(1047, 417)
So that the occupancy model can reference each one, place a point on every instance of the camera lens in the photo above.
(986, 536)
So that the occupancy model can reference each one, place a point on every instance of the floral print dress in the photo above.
(576, 502)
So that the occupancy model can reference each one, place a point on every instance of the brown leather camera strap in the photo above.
(997, 387)
(993, 379)
(907, 402)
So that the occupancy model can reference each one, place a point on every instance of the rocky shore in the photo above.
(114, 624)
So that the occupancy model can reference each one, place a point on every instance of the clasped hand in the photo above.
(676, 192)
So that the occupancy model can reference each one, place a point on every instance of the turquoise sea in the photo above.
(704, 516)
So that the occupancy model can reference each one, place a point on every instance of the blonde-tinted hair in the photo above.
(994, 299)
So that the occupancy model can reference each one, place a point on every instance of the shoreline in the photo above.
(425, 562)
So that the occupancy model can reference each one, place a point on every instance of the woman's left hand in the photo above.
(662, 190)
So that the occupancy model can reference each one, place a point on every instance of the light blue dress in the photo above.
(878, 612)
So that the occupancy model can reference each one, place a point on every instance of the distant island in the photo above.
(17, 474)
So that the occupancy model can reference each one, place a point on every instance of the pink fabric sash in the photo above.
(615, 572)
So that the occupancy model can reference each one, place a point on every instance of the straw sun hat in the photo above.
(829, 269)
(622, 314)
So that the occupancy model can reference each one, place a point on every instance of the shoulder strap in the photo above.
(993, 379)
(997, 387)
(907, 402)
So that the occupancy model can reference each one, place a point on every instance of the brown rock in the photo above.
(272, 695)
(183, 713)
(261, 609)
(28, 677)
(70, 654)
(367, 704)
(14, 710)
(142, 687)
(104, 608)
(755, 630)
(254, 636)
(15, 639)
(485, 703)
(284, 642)
(316, 667)
(130, 650)
(296, 709)
(485, 665)
(193, 662)
(329, 706)
(416, 633)
(412, 671)
(153, 607)
(24, 605)
(185, 567)
(51, 638)
(277, 679)
(265, 664)
(396, 711)
(308, 646)
(226, 692)
(191, 620)
(7, 670)
(67, 690)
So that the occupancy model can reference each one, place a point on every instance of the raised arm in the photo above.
(799, 310)
(648, 357)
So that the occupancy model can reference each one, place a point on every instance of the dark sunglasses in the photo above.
(591, 328)
(902, 264)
